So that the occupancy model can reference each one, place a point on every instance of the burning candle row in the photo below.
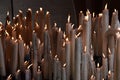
(39, 51)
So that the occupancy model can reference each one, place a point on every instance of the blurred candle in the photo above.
(64, 77)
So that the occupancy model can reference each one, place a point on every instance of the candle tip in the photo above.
(20, 37)
(109, 50)
(81, 11)
(64, 65)
(80, 26)
(67, 39)
(55, 24)
(115, 10)
(29, 9)
(73, 25)
(47, 12)
(37, 11)
(45, 27)
(59, 29)
(86, 18)
(103, 55)
(98, 65)
(8, 13)
(20, 11)
(85, 49)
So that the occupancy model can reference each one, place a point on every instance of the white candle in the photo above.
(17, 75)
(21, 52)
(98, 72)
(110, 75)
(2, 60)
(78, 52)
(64, 76)
(67, 52)
(39, 74)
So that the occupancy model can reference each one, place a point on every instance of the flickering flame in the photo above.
(18, 70)
(103, 55)
(39, 41)
(6, 33)
(68, 19)
(73, 25)
(109, 50)
(94, 32)
(77, 35)
(57, 59)
(15, 40)
(36, 24)
(12, 38)
(92, 77)
(37, 12)
(109, 26)
(115, 10)
(29, 9)
(25, 17)
(20, 11)
(118, 34)
(8, 13)
(106, 6)
(31, 43)
(64, 65)
(85, 49)
(27, 47)
(86, 18)
(9, 77)
(64, 35)
(98, 65)
(55, 24)
(109, 72)
(33, 31)
(17, 15)
(26, 62)
(8, 22)
(80, 26)
(47, 12)
(93, 14)
(67, 39)
(38, 68)
(56, 56)
(45, 27)
(24, 44)
(41, 8)
(100, 14)
(59, 29)
(20, 26)
(91, 46)
(20, 37)
(81, 11)
(63, 44)
(29, 66)
(92, 58)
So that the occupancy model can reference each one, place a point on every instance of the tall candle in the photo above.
(110, 75)
(78, 51)
(64, 76)
(17, 75)
(67, 52)
(14, 57)
(39, 74)
(21, 52)
(81, 18)
(98, 72)
(2, 60)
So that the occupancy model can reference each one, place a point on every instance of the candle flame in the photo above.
(9, 77)
(8, 13)
(85, 49)
(6, 33)
(59, 29)
(109, 72)
(29, 9)
(18, 70)
(77, 35)
(55, 24)
(20, 11)
(45, 27)
(41, 9)
(118, 35)
(109, 50)
(87, 12)
(81, 11)
(57, 59)
(26, 62)
(109, 26)
(86, 18)
(38, 68)
(106, 6)
(47, 12)
(30, 43)
(98, 65)
(20, 37)
(92, 58)
(103, 55)
(33, 31)
(29, 66)
(64, 35)
(56, 56)
(12, 38)
(27, 47)
(37, 12)
(80, 26)
(92, 77)
(67, 39)
(63, 44)
(68, 19)
(24, 44)
(100, 14)
(64, 65)
(73, 25)
(93, 14)
(115, 10)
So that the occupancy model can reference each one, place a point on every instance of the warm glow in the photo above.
(24, 44)
(109, 50)
(45, 27)
(109, 26)
(64, 65)
(59, 29)
(67, 39)
(103, 55)
(8, 13)
(64, 35)
(80, 26)
(20, 37)
(29, 66)
(18, 70)
(12, 38)
(37, 12)
(109, 72)
(68, 19)
(81, 11)
(106, 6)
(87, 12)
(85, 49)
(100, 14)
(29, 9)
(6, 33)
(115, 10)
(98, 65)
(93, 14)
(56, 56)
(47, 12)
(41, 8)
(9, 77)
(77, 35)
(55, 24)
(20, 11)
(86, 18)
(63, 44)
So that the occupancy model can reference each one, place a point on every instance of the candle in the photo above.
(98, 72)
(64, 76)
(17, 75)
(110, 75)
(92, 77)
(9, 77)
(67, 52)
(14, 58)
(85, 65)
(21, 52)
(28, 73)
(2, 60)
(39, 74)
(81, 18)
(78, 51)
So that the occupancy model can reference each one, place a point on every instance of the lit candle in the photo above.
(2, 60)
(68, 27)
(78, 52)
(98, 72)
(17, 75)
(81, 18)
(64, 76)
(21, 52)
(39, 74)
(28, 73)
(67, 52)
(92, 77)
(110, 75)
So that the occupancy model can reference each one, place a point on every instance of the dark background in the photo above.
(59, 9)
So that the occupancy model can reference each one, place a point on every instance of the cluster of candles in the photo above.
(35, 50)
